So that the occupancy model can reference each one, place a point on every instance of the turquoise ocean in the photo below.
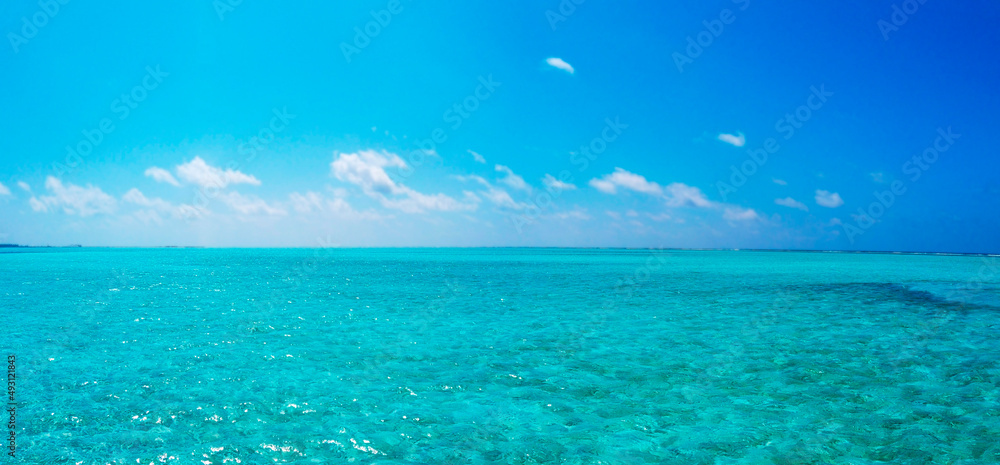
(506, 356)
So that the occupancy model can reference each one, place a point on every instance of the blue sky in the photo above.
(734, 124)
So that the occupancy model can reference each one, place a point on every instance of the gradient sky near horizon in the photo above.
(541, 123)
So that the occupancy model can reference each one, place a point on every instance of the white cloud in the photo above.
(732, 139)
(311, 202)
(559, 63)
(73, 199)
(791, 203)
(613, 214)
(674, 195)
(306, 203)
(511, 179)
(156, 204)
(249, 204)
(202, 174)
(877, 177)
(479, 158)
(495, 195)
(472, 177)
(502, 199)
(37, 205)
(554, 184)
(162, 175)
(575, 214)
(339, 205)
(739, 214)
(24, 186)
(828, 199)
(136, 197)
(603, 185)
(366, 169)
(680, 194)
(4, 190)
(416, 202)
(779, 182)
(610, 183)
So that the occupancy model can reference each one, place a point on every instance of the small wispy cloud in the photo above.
(791, 203)
(4, 190)
(314, 202)
(24, 186)
(479, 158)
(674, 195)
(733, 139)
(73, 199)
(559, 63)
(684, 195)
(554, 184)
(366, 169)
(779, 182)
(575, 214)
(152, 207)
(610, 183)
(135, 196)
(828, 199)
(497, 196)
(200, 173)
(249, 204)
(161, 175)
(740, 214)
(306, 203)
(877, 177)
(511, 179)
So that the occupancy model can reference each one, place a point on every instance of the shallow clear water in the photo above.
(512, 356)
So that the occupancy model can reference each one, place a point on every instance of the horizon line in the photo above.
(689, 249)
